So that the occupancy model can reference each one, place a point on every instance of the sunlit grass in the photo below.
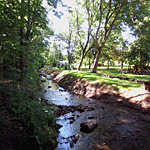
(115, 82)
(115, 70)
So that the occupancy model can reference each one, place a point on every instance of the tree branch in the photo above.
(110, 28)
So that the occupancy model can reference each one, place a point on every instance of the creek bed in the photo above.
(118, 128)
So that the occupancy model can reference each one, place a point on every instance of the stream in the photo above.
(118, 128)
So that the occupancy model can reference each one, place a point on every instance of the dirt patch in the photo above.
(138, 99)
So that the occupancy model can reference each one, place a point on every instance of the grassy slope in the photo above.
(120, 84)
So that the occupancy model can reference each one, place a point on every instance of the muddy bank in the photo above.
(84, 87)
(136, 99)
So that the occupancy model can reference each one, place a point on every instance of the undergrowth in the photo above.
(35, 119)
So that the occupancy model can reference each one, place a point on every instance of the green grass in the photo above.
(115, 70)
(117, 83)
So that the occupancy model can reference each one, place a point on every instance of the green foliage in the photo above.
(24, 34)
(139, 52)
(136, 14)
(55, 55)
(65, 67)
(24, 38)
(37, 120)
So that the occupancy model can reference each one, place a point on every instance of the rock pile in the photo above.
(62, 109)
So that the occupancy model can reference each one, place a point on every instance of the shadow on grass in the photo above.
(116, 72)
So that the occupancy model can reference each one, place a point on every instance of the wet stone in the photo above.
(75, 138)
(92, 117)
(59, 126)
(71, 118)
(61, 90)
(71, 144)
(88, 125)
(81, 109)
(71, 122)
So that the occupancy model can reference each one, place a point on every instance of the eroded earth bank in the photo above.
(123, 124)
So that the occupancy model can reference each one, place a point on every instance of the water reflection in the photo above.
(59, 96)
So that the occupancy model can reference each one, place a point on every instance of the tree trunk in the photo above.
(69, 57)
(81, 61)
(89, 63)
(21, 48)
(21, 65)
(121, 66)
(108, 64)
(97, 59)
(28, 38)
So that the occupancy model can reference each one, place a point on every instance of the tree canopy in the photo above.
(24, 31)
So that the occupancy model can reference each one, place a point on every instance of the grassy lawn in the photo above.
(118, 83)
(115, 70)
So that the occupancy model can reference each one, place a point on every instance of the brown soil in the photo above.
(137, 99)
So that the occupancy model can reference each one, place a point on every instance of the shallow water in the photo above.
(59, 96)
(118, 129)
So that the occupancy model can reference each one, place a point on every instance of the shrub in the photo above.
(37, 121)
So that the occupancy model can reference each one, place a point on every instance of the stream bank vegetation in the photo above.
(26, 119)
(25, 122)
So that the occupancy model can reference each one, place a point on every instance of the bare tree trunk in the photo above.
(89, 63)
(69, 45)
(1, 53)
(21, 65)
(121, 66)
(81, 61)
(108, 64)
(97, 59)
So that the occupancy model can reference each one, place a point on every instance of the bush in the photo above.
(38, 123)
(65, 67)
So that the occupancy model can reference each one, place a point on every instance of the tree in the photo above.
(83, 36)
(136, 14)
(102, 21)
(91, 56)
(139, 53)
(106, 16)
(22, 24)
(67, 37)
